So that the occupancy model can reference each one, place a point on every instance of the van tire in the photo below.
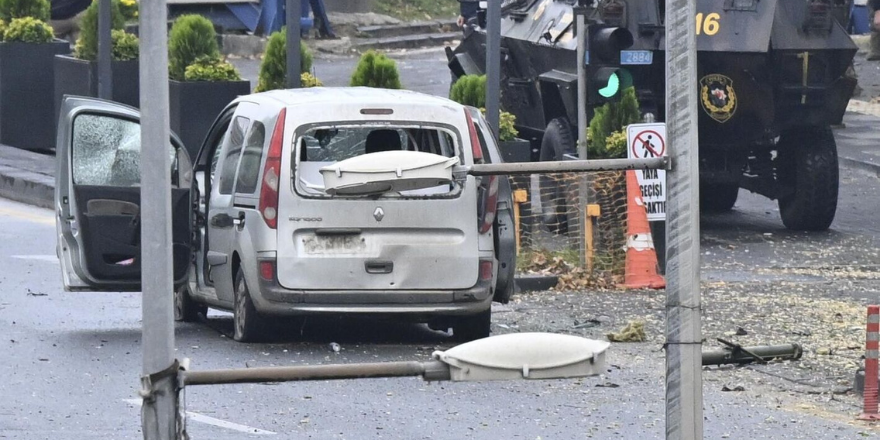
(185, 308)
(469, 328)
(248, 325)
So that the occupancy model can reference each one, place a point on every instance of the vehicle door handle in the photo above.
(239, 222)
(221, 221)
(379, 267)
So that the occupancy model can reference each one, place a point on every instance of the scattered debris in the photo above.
(32, 293)
(736, 388)
(741, 331)
(633, 332)
(607, 385)
(334, 347)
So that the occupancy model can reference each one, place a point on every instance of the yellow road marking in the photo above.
(36, 218)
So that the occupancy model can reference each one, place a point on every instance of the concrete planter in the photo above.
(195, 104)
(27, 82)
(74, 76)
(517, 150)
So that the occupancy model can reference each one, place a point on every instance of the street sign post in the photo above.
(684, 383)
(293, 11)
(105, 50)
(493, 63)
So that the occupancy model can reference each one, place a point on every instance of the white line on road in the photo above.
(195, 417)
(46, 258)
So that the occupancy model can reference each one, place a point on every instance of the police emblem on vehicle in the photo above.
(379, 214)
(718, 97)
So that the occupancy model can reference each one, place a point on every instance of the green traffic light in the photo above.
(611, 88)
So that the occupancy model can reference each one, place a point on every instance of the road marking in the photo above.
(41, 219)
(196, 417)
(46, 258)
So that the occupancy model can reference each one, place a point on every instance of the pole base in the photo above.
(868, 417)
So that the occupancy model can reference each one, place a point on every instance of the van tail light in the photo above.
(475, 140)
(272, 174)
(486, 270)
(267, 270)
(488, 203)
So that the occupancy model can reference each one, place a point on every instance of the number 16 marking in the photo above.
(709, 25)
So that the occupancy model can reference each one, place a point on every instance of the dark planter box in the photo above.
(27, 82)
(74, 76)
(194, 105)
(517, 150)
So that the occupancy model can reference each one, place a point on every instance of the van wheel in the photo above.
(247, 323)
(469, 328)
(810, 169)
(185, 308)
(558, 141)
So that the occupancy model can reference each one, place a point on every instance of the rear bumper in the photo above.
(272, 299)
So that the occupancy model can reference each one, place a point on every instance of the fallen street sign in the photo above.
(647, 141)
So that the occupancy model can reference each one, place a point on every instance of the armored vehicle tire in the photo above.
(810, 169)
(185, 309)
(248, 325)
(558, 141)
(469, 328)
(718, 197)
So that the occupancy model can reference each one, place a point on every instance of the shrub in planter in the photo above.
(376, 70)
(87, 43)
(469, 90)
(129, 10)
(26, 74)
(28, 30)
(608, 119)
(308, 80)
(12, 9)
(192, 37)
(273, 69)
(202, 83)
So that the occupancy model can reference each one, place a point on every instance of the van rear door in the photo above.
(410, 240)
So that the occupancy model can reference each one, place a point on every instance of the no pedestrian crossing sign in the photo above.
(646, 141)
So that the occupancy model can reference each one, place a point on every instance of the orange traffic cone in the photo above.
(641, 260)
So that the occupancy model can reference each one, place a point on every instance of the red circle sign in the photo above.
(650, 144)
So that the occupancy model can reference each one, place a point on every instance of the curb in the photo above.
(27, 187)
(860, 165)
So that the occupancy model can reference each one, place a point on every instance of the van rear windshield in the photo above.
(321, 146)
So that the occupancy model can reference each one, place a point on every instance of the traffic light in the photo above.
(606, 80)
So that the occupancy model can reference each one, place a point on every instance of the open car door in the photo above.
(97, 197)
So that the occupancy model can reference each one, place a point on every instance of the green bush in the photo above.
(12, 9)
(469, 90)
(611, 118)
(211, 69)
(3, 26)
(376, 70)
(506, 127)
(273, 69)
(28, 30)
(191, 37)
(308, 80)
(125, 45)
(129, 9)
(87, 44)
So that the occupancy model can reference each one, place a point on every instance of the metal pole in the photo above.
(431, 371)
(684, 382)
(105, 50)
(159, 411)
(294, 28)
(582, 83)
(493, 63)
(563, 166)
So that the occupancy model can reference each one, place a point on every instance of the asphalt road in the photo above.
(70, 361)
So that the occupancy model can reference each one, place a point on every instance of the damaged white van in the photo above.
(310, 201)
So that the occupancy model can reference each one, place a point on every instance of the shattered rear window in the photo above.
(106, 151)
(322, 146)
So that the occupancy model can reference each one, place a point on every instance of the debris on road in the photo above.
(737, 354)
(633, 332)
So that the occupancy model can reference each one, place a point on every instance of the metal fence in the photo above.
(572, 225)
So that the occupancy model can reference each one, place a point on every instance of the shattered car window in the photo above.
(322, 146)
(106, 151)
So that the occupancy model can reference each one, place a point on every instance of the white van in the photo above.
(257, 231)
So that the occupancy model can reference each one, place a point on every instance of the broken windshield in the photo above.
(322, 146)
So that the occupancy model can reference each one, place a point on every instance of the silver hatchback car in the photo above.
(258, 232)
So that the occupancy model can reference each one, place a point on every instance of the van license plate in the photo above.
(334, 244)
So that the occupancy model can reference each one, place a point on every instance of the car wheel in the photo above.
(718, 197)
(185, 308)
(810, 171)
(247, 323)
(558, 141)
(469, 328)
